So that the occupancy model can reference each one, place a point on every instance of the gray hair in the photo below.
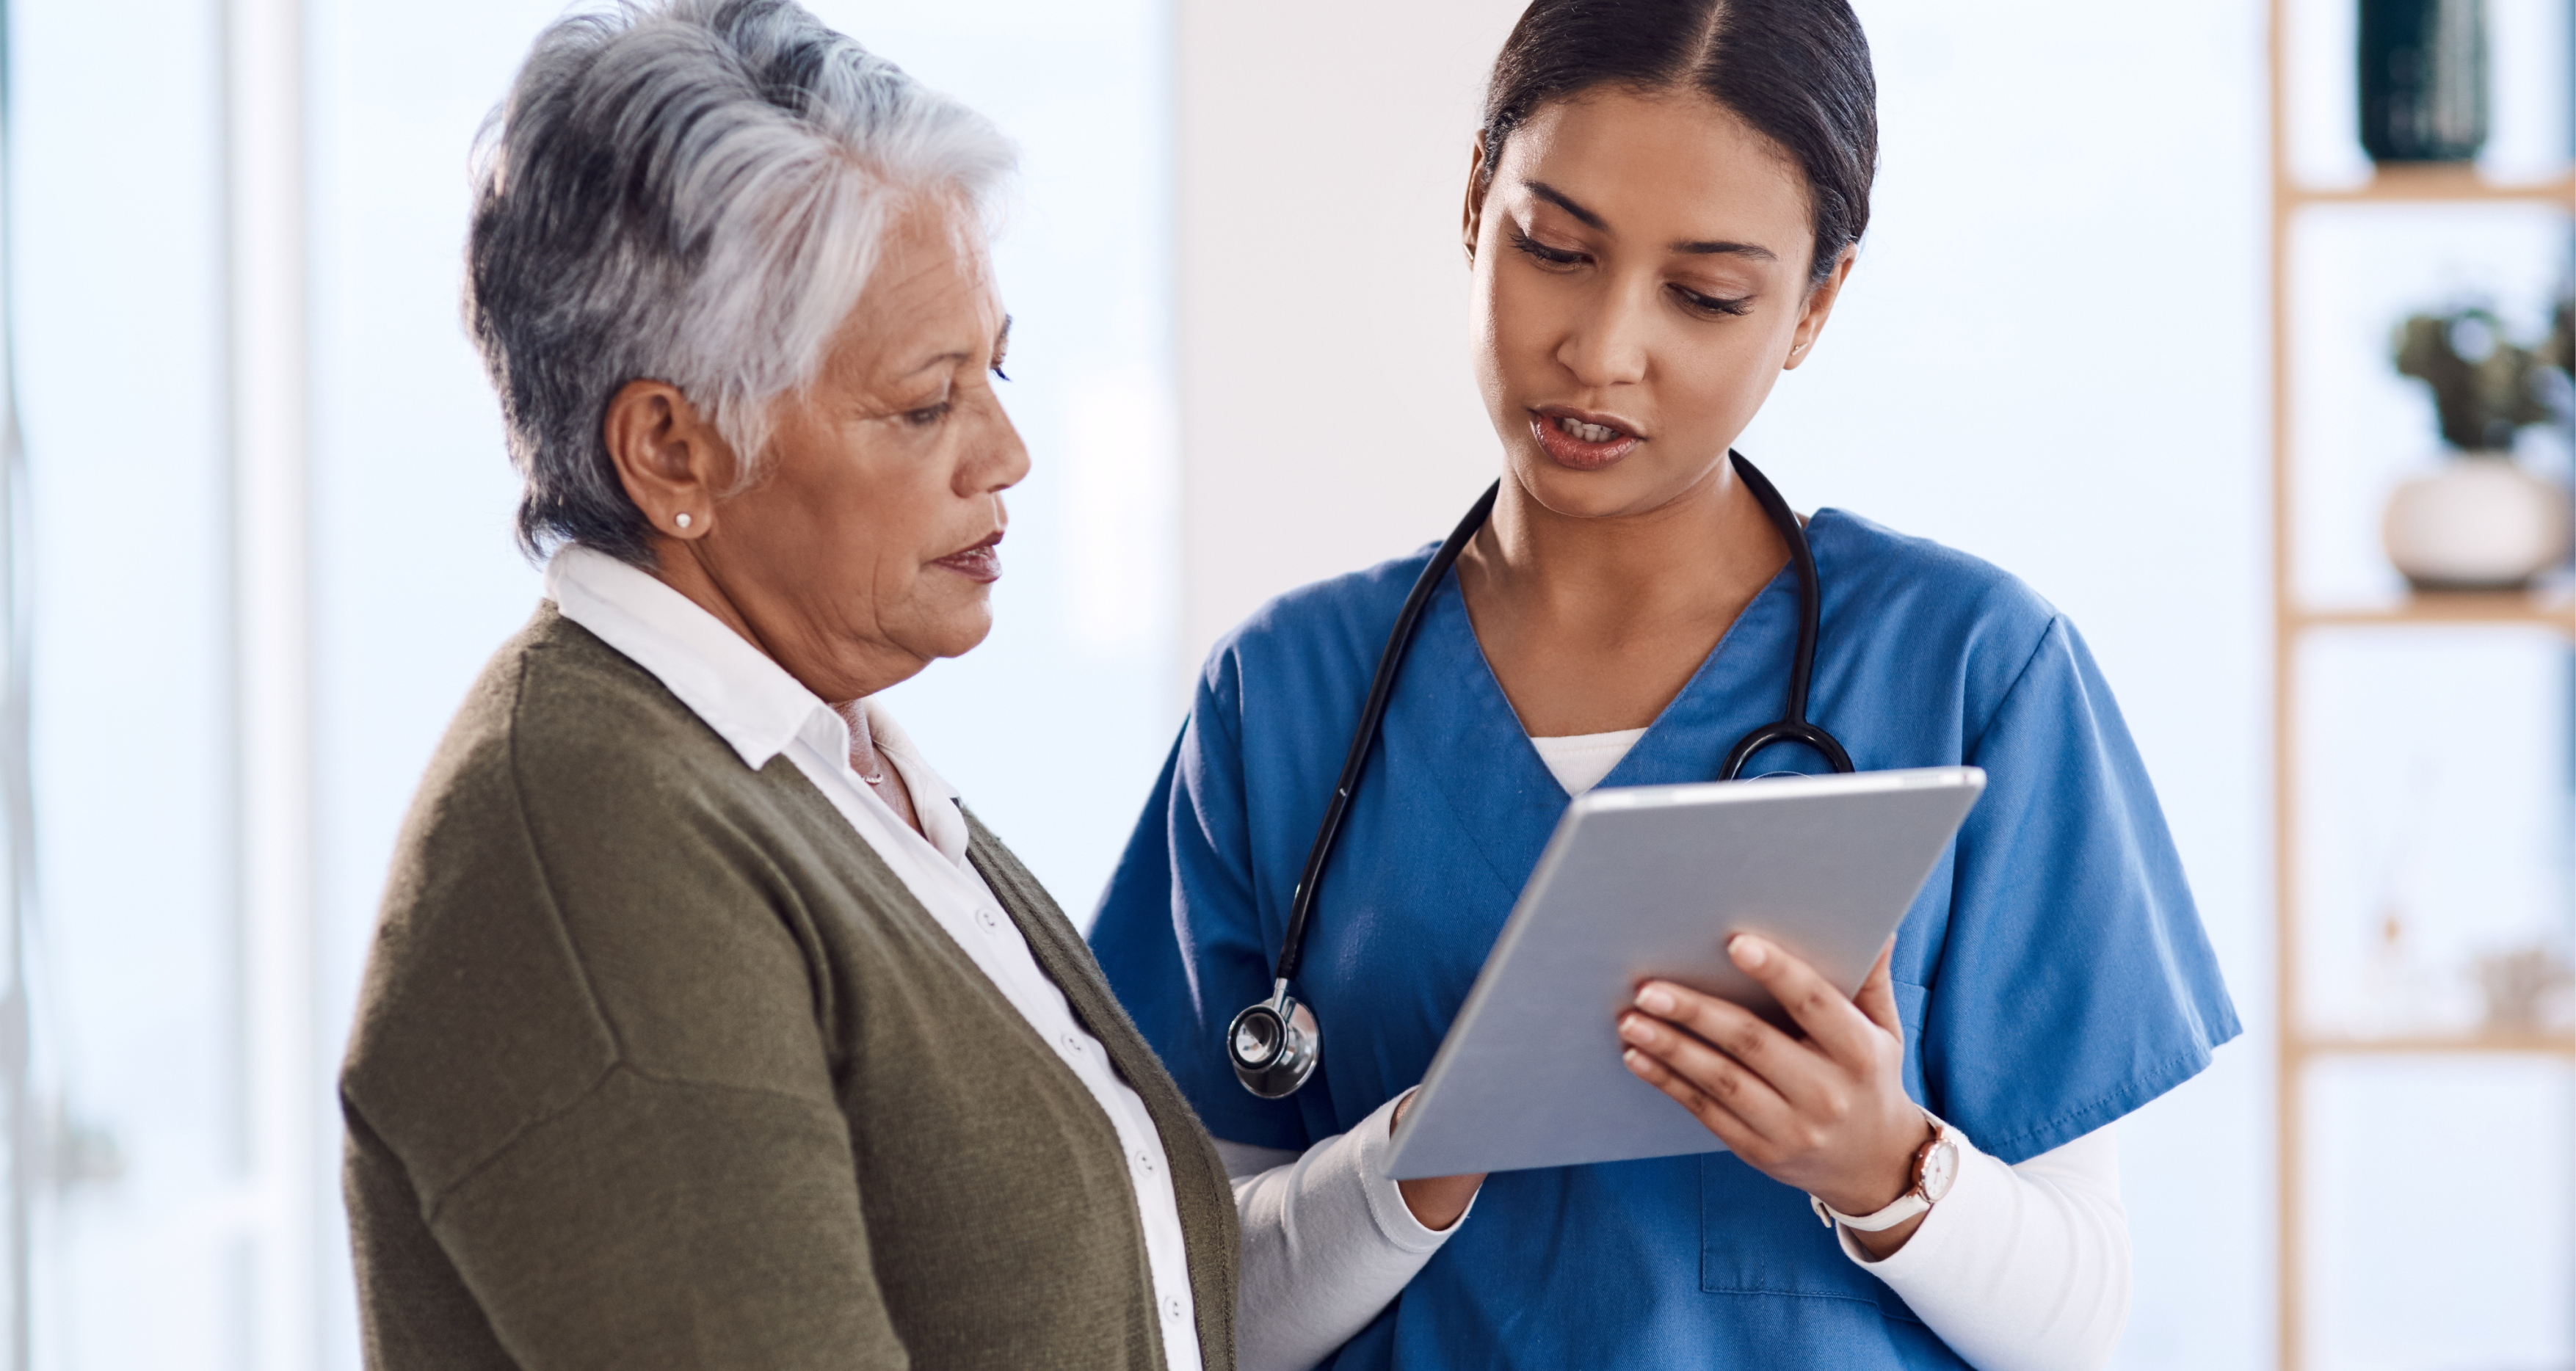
(694, 192)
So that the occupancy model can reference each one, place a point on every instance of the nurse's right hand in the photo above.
(1436, 1201)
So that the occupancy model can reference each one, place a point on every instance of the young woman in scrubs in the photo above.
(1662, 212)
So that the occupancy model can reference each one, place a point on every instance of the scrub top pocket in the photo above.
(1743, 1213)
(1745, 1219)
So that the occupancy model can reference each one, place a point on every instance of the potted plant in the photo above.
(2482, 522)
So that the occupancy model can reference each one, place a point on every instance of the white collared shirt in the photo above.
(762, 712)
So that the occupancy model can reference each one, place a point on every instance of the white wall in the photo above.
(1328, 418)
(2051, 355)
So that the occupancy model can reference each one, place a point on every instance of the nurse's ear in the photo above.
(1472, 222)
(1819, 307)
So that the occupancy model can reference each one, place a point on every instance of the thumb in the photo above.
(1877, 997)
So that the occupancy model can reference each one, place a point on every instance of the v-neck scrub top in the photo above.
(2052, 976)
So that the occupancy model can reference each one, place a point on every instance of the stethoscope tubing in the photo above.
(1289, 1033)
(1390, 663)
(1792, 725)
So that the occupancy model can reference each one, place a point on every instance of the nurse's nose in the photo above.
(1607, 342)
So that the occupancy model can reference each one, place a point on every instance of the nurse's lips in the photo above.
(1582, 439)
(978, 563)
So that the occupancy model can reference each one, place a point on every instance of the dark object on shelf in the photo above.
(2423, 79)
(2484, 387)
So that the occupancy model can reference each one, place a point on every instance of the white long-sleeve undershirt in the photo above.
(2019, 1268)
(1327, 1243)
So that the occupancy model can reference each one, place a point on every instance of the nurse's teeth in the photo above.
(1590, 433)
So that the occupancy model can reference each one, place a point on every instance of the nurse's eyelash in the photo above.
(1541, 252)
(1713, 304)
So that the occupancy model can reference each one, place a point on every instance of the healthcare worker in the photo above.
(1662, 210)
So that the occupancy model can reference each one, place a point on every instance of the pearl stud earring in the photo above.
(682, 519)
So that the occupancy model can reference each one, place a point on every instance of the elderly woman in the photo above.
(704, 1027)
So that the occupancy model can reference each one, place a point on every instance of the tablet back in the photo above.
(1651, 881)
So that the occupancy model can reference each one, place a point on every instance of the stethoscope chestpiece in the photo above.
(1274, 1045)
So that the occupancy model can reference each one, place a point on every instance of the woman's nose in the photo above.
(1000, 460)
(1607, 345)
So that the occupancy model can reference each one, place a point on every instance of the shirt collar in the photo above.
(748, 699)
(737, 689)
(943, 820)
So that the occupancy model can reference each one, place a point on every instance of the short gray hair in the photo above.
(694, 192)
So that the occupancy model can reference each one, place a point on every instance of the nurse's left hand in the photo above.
(1826, 1113)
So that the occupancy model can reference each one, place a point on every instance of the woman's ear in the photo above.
(668, 457)
(1473, 221)
(1820, 307)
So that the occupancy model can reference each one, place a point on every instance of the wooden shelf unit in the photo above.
(2296, 1048)
(2441, 183)
(2315, 1045)
(2557, 612)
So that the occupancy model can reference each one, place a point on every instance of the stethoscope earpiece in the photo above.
(1274, 1045)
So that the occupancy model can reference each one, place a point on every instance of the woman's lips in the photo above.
(1583, 451)
(982, 562)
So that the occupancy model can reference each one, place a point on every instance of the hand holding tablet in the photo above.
(1824, 1111)
(1648, 886)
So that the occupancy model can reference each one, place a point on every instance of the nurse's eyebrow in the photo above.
(1565, 202)
(1716, 247)
(1721, 248)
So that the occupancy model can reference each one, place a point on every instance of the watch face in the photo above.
(1940, 1168)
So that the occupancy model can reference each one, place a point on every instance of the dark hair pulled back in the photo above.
(1797, 71)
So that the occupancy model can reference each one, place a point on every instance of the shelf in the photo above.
(2553, 610)
(2525, 1044)
(2551, 607)
(2431, 183)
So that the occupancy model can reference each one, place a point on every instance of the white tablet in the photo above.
(1651, 881)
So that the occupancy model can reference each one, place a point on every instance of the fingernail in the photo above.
(1636, 1030)
(1654, 999)
(1747, 951)
(1635, 1059)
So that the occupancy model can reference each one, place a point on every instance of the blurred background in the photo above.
(2127, 323)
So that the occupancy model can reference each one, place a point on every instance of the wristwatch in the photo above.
(1936, 1166)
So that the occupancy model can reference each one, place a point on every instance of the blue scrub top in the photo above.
(2052, 976)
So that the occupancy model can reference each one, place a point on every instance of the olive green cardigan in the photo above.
(658, 1065)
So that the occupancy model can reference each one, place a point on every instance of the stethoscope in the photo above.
(1275, 1044)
